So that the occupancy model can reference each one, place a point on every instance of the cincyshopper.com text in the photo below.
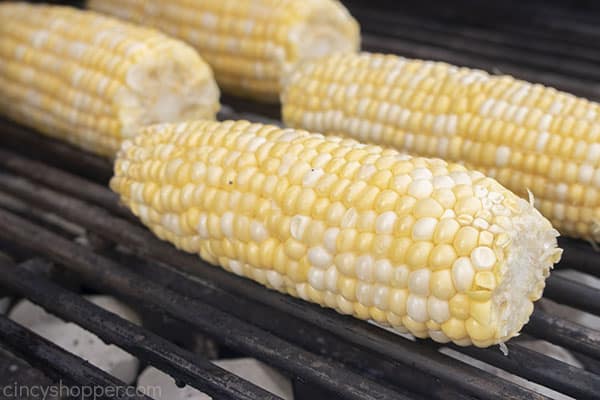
(61, 390)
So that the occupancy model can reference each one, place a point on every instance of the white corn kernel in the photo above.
(418, 282)
(483, 257)
(319, 257)
(463, 274)
(438, 310)
(385, 222)
(416, 308)
(424, 228)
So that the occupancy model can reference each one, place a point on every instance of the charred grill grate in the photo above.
(341, 356)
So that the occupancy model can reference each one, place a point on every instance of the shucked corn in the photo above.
(93, 80)
(526, 136)
(417, 244)
(249, 43)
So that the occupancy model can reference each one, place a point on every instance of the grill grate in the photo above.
(411, 365)
(341, 356)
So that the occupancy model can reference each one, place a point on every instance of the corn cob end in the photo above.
(169, 84)
(328, 28)
(532, 253)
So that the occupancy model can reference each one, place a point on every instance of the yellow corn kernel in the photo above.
(455, 329)
(421, 272)
(466, 240)
(442, 286)
(459, 306)
(478, 331)
(442, 256)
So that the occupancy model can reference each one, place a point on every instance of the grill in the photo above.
(52, 193)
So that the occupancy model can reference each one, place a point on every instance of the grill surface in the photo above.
(51, 193)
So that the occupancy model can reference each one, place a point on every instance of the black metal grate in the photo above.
(341, 356)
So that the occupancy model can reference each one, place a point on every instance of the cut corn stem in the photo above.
(93, 80)
(416, 244)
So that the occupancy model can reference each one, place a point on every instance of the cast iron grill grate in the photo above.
(340, 356)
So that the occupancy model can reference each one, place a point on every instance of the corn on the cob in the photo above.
(249, 43)
(93, 80)
(417, 244)
(524, 135)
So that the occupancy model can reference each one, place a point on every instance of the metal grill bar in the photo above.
(422, 31)
(140, 239)
(14, 371)
(61, 364)
(574, 294)
(180, 364)
(537, 42)
(57, 153)
(252, 110)
(569, 22)
(580, 255)
(66, 183)
(528, 364)
(564, 21)
(40, 217)
(565, 333)
(102, 273)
